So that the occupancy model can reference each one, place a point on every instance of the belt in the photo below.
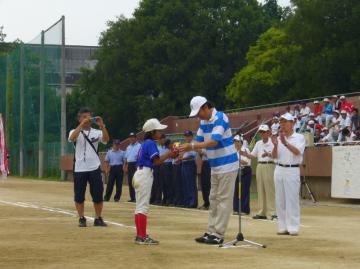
(266, 162)
(115, 165)
(288, 165)
(144, 167)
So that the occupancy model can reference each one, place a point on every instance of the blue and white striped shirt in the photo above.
(223, 157)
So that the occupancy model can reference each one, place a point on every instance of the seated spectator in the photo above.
(275, 126)
(335, 102)
(326, 136)
(304, 111)
(310, 127)
(317, 109)
(347, 136)
(355, 119)
(334, 124)
(296, 110)
(313, 117)
(297, 123)
(317, 135)
(345, 123)
(327, 112)
(346, 105)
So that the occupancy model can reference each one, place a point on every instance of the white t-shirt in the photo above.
(275, 128)
(86, 158)
(285, 156)
(344, 122)
(245, 159)
(305, 111)
(260, 148)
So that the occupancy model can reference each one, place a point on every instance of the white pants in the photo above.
(142, 183)
(287, 198)
(221, 202)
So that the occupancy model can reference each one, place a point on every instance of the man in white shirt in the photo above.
(264, 174)
(87, 163)
(288, 151)
(275, 126)
(305, 110)
(345, 123)
(327, 136)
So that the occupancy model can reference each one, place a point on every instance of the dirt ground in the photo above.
(38, 229)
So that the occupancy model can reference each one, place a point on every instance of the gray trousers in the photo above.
(221, 200)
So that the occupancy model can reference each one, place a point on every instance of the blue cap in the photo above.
(116, 141)
(188, 133)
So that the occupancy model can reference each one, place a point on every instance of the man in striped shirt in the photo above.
(214, 134)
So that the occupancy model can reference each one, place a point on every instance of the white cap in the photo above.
(334, 96)
(336, 111)
(264, 128)
(311, 114)
(326, 100)
(325, 129)
(343, 112)
(287, 116)
(275, 118)
(342, 97)
(153, 124)
(196, 103)
(316, 102)
(311, 122)
(237, 138)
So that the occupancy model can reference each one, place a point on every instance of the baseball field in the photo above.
(38, 229)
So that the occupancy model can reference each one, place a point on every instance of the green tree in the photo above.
(269, 72)
(315, 52)
(151, 65)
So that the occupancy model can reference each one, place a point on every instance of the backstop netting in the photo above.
(31, 88)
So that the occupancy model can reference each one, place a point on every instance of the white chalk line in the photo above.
(73, 214)
(59, 210)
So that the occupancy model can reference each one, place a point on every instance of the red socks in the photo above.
(141, 221)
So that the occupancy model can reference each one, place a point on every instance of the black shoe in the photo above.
(204, 207)
(214, 240)
(259, 217)
(131, 201)
(99, 222)
(202, 239)
(236, 213)
(274, 217)
(82, 222)
(146, 241)
(116, 200)
(106, 199)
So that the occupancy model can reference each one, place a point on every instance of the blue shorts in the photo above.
(96, 185)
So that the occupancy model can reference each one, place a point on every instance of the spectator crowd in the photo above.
(331, 121)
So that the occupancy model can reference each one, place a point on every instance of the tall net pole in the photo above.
(21, 136)
(41, 114)
(63, 96)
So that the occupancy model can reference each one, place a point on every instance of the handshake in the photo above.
(174, 149)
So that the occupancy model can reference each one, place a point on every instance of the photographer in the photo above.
(87, 163)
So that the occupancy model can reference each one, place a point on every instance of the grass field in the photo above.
(38, 229)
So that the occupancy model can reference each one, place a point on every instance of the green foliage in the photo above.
(316, 52)
(151, 65)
